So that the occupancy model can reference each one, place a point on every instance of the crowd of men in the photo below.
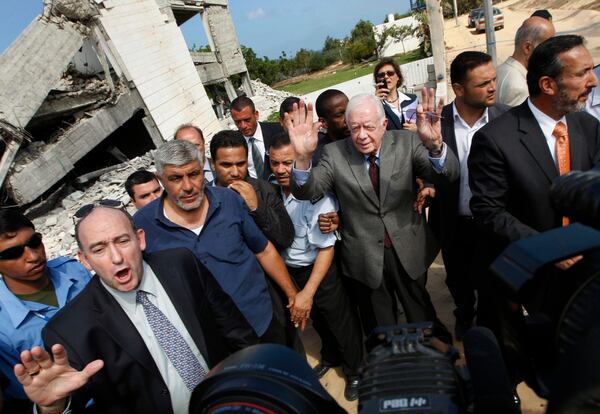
(300, 220)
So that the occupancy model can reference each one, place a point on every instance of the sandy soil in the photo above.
(569, 18)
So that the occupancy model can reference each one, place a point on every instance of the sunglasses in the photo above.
(84, 211)
(389, 74)
(15, 252)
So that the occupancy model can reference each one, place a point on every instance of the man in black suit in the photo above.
(473, 78)
(143, 333)
(259, 135)
(515, 158)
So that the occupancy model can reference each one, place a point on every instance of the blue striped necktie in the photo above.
(172, 343)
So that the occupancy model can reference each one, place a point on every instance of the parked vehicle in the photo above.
(473, 16)
(498, 20)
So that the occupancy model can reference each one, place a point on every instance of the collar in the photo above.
(18, 310)
(127, 299)
(546, 123)
(483, 118)
(258, 135)
(366, 157)
(210, 192)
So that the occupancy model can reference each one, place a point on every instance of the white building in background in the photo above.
(394, 47)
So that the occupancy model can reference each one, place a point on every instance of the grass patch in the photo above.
(310, 85)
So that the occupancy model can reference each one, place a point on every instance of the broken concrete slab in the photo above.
(33, 64)
(57, 159)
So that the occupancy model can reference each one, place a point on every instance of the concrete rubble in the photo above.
(58, 227)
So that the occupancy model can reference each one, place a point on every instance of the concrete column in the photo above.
(231, 93)
(246, 85)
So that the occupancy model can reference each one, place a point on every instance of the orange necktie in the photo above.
(563, 155)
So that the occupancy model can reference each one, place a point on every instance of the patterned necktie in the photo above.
(374, 176)
(172, 343)
(257, 158)
(563, 154)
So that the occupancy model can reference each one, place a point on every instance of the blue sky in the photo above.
(267, 26)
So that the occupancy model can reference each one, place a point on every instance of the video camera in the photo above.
(562, 307)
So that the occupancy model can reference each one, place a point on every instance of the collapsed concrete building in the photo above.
(93, 83)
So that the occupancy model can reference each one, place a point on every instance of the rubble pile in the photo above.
(58, 227)
(267, 99)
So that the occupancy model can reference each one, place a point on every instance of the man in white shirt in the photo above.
(473, 80)
(310, 262)
(143, 333)
(258, 135)
(512, 82)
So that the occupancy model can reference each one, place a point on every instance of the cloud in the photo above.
(256, 14)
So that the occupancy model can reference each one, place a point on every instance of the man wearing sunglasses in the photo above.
(32, 290)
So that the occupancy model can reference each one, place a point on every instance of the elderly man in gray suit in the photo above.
(386, 244)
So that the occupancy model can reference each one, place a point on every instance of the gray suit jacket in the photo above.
(365, 217)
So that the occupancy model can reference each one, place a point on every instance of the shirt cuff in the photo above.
(301, 176)
(438, 163)
(67, 409)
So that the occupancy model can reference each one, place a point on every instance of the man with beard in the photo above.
(473, 78)
(515, 158)
(214, 224)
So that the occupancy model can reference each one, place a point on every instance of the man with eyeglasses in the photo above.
(386, 245)
(32, 290)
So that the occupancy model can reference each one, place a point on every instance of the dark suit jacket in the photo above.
(94, 326)
(342, 170)
(511, 171)
(394, 121)
(271, 216)
(443, 211)
(269, 130)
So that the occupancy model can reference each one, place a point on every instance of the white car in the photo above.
(480, 20)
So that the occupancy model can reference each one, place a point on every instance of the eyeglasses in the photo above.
(389, 74)
(15, 252)
(84, 211)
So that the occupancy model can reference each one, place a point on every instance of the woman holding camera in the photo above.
(400, 109)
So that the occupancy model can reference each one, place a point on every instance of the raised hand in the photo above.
(429, 123)
(303, 132)
(49, 381)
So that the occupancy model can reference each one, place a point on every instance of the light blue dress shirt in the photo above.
(308, 238)
(21, 322)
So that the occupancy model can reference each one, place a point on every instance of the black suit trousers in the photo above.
(334, 320)
(459, 260)
(378, 307)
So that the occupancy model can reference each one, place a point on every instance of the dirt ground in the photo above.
(569, 17)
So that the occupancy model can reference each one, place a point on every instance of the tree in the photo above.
(422, 32)
(362, 44)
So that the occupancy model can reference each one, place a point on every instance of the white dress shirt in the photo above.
(260, 144)
(180, 395)
(547, 125)
(464, 137)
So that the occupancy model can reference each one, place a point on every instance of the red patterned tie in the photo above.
(563, 155)
(374, 176)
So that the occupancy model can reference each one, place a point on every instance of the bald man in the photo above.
(511, 77)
